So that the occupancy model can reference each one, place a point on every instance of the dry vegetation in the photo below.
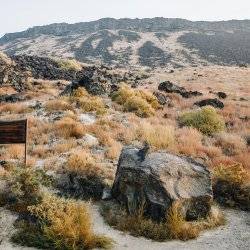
(56, 143)
(174, 227)
(141, 102)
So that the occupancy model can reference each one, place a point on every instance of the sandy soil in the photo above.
(234, 235)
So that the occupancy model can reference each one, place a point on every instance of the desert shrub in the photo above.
(206, 120)
(82, 163)
(60, 224)
(174, 226)
(69, 64)
(87, 102)
(24, 187)
(86, 177)
(231, 144)
(140, 102)
(57, 105)
(158, 136)
(231, 186)
(67, 128)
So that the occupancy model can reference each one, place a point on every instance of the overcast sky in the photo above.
(18, 15)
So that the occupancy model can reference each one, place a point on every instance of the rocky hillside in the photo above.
(157, 42)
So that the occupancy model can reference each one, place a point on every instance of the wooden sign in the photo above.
(14, 132)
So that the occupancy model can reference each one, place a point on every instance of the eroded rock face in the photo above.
(158, 179)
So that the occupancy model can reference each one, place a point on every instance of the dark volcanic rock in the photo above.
(11, 75)
(11, 98)
(222, 95)
(210, 102)
(170, 87)
(44, 68)
(159, 179)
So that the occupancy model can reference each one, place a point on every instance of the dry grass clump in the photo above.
(67, 128)
(69, 64)
(61, 224)
(15, 108)
(158, 136)
(41, 151)
(38, 131)
(87, 102)
(231, 186)
(140, 102)
(82, 163)
(64, 146)
(14, 151)
(206, 120)
(189, 141)
(231, 144)
(57, 105)
(174, 227)
(113, 152)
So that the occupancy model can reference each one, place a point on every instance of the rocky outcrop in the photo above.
(101, 80)
(170, 87)
(210, 102)
(10, 74)
(45, 68)
(157, 180)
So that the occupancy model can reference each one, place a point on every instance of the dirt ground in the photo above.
(234, 235)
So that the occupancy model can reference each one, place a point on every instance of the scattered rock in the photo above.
(162, 98)
(158, 179)
(87, 119)
(11, 98)
(210, 102)
(222, 95)
(90, 140)
(170, 87)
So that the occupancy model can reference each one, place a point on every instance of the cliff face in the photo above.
(156, 42)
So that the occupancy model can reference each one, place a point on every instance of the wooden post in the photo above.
(26, 137)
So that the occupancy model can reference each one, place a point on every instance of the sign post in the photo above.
(14, 132)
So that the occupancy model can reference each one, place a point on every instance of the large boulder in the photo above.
(170, 87)
(157, 180)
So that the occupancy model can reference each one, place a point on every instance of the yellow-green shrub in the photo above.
(69, 64)
(87, 102)
(206, 120)
(141, 102)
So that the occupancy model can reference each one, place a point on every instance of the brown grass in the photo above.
(159, 136)
(57, 105)
(68, 128)
(231, 144)
(82, 163)
(15, 108)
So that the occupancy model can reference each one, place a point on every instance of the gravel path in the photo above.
(234, 235)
